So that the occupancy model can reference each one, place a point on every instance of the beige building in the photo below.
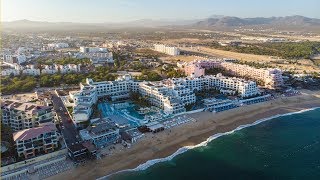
(33, 141)
(271, 78)
(21, 116)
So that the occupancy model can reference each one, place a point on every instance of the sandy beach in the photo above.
(162, 144)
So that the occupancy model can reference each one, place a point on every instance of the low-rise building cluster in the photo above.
(97, 55)
(33, 127)
(30, 69)
(58, 45)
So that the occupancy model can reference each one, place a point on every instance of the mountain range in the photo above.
(214, 21)
(228, 21)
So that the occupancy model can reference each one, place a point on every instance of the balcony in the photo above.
(28, 146)
(47, 142)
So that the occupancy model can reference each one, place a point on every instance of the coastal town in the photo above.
(62, 127)
(91, 103)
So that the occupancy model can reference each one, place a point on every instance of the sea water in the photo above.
(282, 147)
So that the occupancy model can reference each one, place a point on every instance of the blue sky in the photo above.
(127, 10)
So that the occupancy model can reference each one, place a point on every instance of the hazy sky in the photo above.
(126, 10)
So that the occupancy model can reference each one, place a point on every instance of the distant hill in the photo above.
(27, 25)
(287, 21)
(214, 21)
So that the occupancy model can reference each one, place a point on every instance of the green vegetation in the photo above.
(149, 76)
(254, 64)
(171, 71)
(189, 106)
(20, 84)
(96, 112)
(175, 73)
(149, 53)
(214, 71)
(139, 100)
(286, 50)
(17, 84)
(6, 136)
(24, 83)
(70, 110)
(138, 66)
(101, 74)
(63, 61)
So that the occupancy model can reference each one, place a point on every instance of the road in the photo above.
(69, 131)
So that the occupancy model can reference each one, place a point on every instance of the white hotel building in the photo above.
(171, 95)
(226, 85)
(173, 51)
(91, 91)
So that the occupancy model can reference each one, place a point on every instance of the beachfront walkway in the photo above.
(45, 171)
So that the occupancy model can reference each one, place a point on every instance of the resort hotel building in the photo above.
(19, 115)
(41, 139)
(225, 85)
(197, 67)
(91, 91)
(171, 95)
(271, 78)
(170, 50)
(171, 98)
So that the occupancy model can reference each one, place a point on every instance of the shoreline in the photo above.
(184, 149)
(168, 142)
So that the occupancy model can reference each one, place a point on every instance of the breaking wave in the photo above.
(181, 150)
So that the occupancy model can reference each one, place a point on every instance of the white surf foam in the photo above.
(150, 163)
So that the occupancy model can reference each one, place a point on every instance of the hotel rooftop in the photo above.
(27, 134)
(29, 108)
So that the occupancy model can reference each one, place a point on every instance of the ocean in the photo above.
(281, 147)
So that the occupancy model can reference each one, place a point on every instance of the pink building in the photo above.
(197, 68)
(272, 78)
(194, 70)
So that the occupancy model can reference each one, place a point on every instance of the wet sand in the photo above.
(163, 144)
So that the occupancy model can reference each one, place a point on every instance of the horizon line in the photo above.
(160, 19)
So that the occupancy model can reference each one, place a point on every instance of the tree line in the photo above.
(286, 50)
